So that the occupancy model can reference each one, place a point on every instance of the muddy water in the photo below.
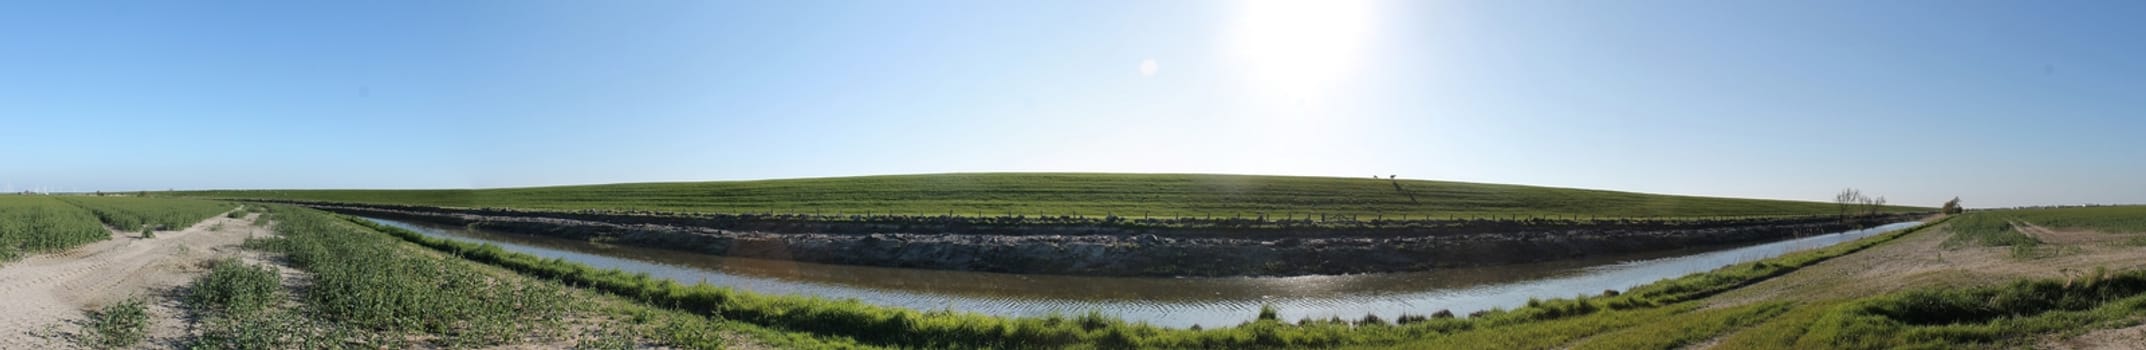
(1173, 302)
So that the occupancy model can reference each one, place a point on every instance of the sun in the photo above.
(1300, 48)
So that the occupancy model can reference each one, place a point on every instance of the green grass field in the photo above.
(1995, 228)
(1094, 195)
(2112, 219)
(36, 224)
(135, 213)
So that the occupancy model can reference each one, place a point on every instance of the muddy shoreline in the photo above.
(1100, 249)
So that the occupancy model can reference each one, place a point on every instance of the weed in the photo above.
(118, 325)
(235, 288)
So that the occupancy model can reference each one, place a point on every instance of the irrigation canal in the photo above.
(1171, 302)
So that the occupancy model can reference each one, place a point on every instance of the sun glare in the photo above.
(1300, 48)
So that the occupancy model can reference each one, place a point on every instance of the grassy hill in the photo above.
(1135, 195)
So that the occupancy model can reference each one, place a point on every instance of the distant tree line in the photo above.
(1853, 201)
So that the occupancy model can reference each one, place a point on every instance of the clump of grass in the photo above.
(235, 288)
(2011, 314)
(118, 325)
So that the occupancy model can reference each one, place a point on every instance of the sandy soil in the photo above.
(46, 295)
(2127, 338)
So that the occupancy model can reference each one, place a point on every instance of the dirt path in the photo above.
(2127, 338)
(44, 294)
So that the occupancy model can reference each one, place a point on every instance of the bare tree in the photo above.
(1876, 205)
(1847, 197)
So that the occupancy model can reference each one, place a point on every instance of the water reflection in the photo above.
(1175, 302)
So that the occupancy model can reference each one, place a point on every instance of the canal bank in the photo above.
(1321, 251)
(1172, 302)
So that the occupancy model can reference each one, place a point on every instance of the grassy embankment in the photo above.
(1092, 195)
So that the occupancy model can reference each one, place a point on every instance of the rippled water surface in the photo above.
(1175, 302)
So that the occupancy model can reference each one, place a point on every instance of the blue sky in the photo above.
(2001, 103)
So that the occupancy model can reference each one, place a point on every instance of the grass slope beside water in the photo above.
(367, 290)
(1032, 194)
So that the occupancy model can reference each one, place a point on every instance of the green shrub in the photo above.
(235, 288)
(118, 325)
